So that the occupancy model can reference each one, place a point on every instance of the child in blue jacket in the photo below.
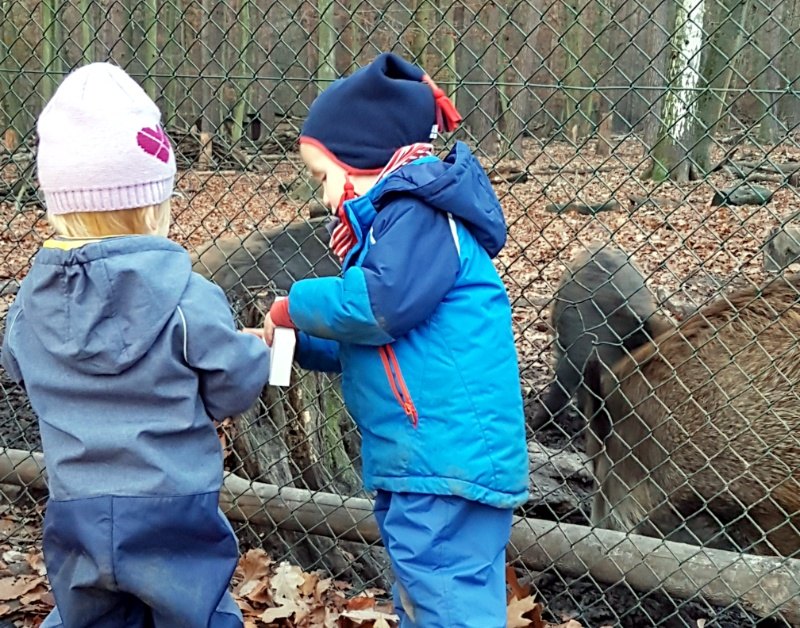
(126, 356)
(419, 325)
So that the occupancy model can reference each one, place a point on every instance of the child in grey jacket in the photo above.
(126, 356)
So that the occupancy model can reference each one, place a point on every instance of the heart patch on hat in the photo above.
(154, 142)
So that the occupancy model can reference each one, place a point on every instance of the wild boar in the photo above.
(602, 304)
(695, 437)
(277, 257)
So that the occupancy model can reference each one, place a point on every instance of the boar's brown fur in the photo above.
(699, 436)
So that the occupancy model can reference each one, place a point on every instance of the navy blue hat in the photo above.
(361, 120)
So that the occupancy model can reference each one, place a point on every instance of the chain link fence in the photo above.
(646, 156)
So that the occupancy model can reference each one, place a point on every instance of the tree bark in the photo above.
(476, 24)
(725, 34)
(326, 41)
(243, 72)
(149, 47)
(87, 33)
(769, 37)
(577, 112)
(680, 126)
(517, 60)
(6, 113)
(49, 47)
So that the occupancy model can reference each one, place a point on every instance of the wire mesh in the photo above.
(663, 130)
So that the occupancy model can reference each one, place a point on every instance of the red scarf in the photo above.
(343, 238)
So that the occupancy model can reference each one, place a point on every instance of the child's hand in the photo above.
(253, 331)
(268, 333)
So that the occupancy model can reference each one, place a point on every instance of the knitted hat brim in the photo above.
(109, 199)
(304, 139)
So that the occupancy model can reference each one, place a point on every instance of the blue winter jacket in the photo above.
(127, 355)
(419, 325)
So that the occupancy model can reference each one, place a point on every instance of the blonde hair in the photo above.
(150, 220)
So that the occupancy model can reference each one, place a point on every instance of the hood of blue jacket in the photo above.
(93, 306)
(457, 184)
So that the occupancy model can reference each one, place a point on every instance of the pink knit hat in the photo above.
(101, 144)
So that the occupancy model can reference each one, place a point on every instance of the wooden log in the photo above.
(586, 210)
(765, 585)
(749, 166)
(642, 201)
(746, 194)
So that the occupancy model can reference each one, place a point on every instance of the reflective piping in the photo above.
(454, 231)
(185, 335)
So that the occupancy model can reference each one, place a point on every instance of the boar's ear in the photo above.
(594, 397)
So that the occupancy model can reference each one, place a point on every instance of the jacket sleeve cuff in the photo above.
(279, 313)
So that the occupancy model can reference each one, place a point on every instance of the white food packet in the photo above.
(282, 356)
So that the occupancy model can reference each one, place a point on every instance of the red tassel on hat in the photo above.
(447, 116)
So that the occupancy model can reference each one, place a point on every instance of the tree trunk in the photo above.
(354, 34)
(725, 28)
(148, 52)
(326, 34)
(210, 73)
(423, 30)
(49, 47)
(117, 34)
(242, 73)
(446, 38)
(6, 113)
(476, 24)
(517, 58)
(736, 31)
(680, 127)
(173, 56)
(577, 112)
(87, 34)
(769, 37)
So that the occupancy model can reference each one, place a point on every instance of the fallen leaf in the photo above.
(253, 565)
(517, 591)
(322, 586)
(5, 609)
(517, 609)
(701, 623)
(309, 584)
(360, 603)
(369, 615)
(14, 556)
(38, 594)
(36, 561)
(257, 591)
(12, 588)
(286, 582)
(279, 612)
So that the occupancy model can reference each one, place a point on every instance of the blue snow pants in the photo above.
(448, 557)
(136, 562)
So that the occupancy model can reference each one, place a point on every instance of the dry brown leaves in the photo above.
(25, 596)
(524, 611)
(270, 594)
